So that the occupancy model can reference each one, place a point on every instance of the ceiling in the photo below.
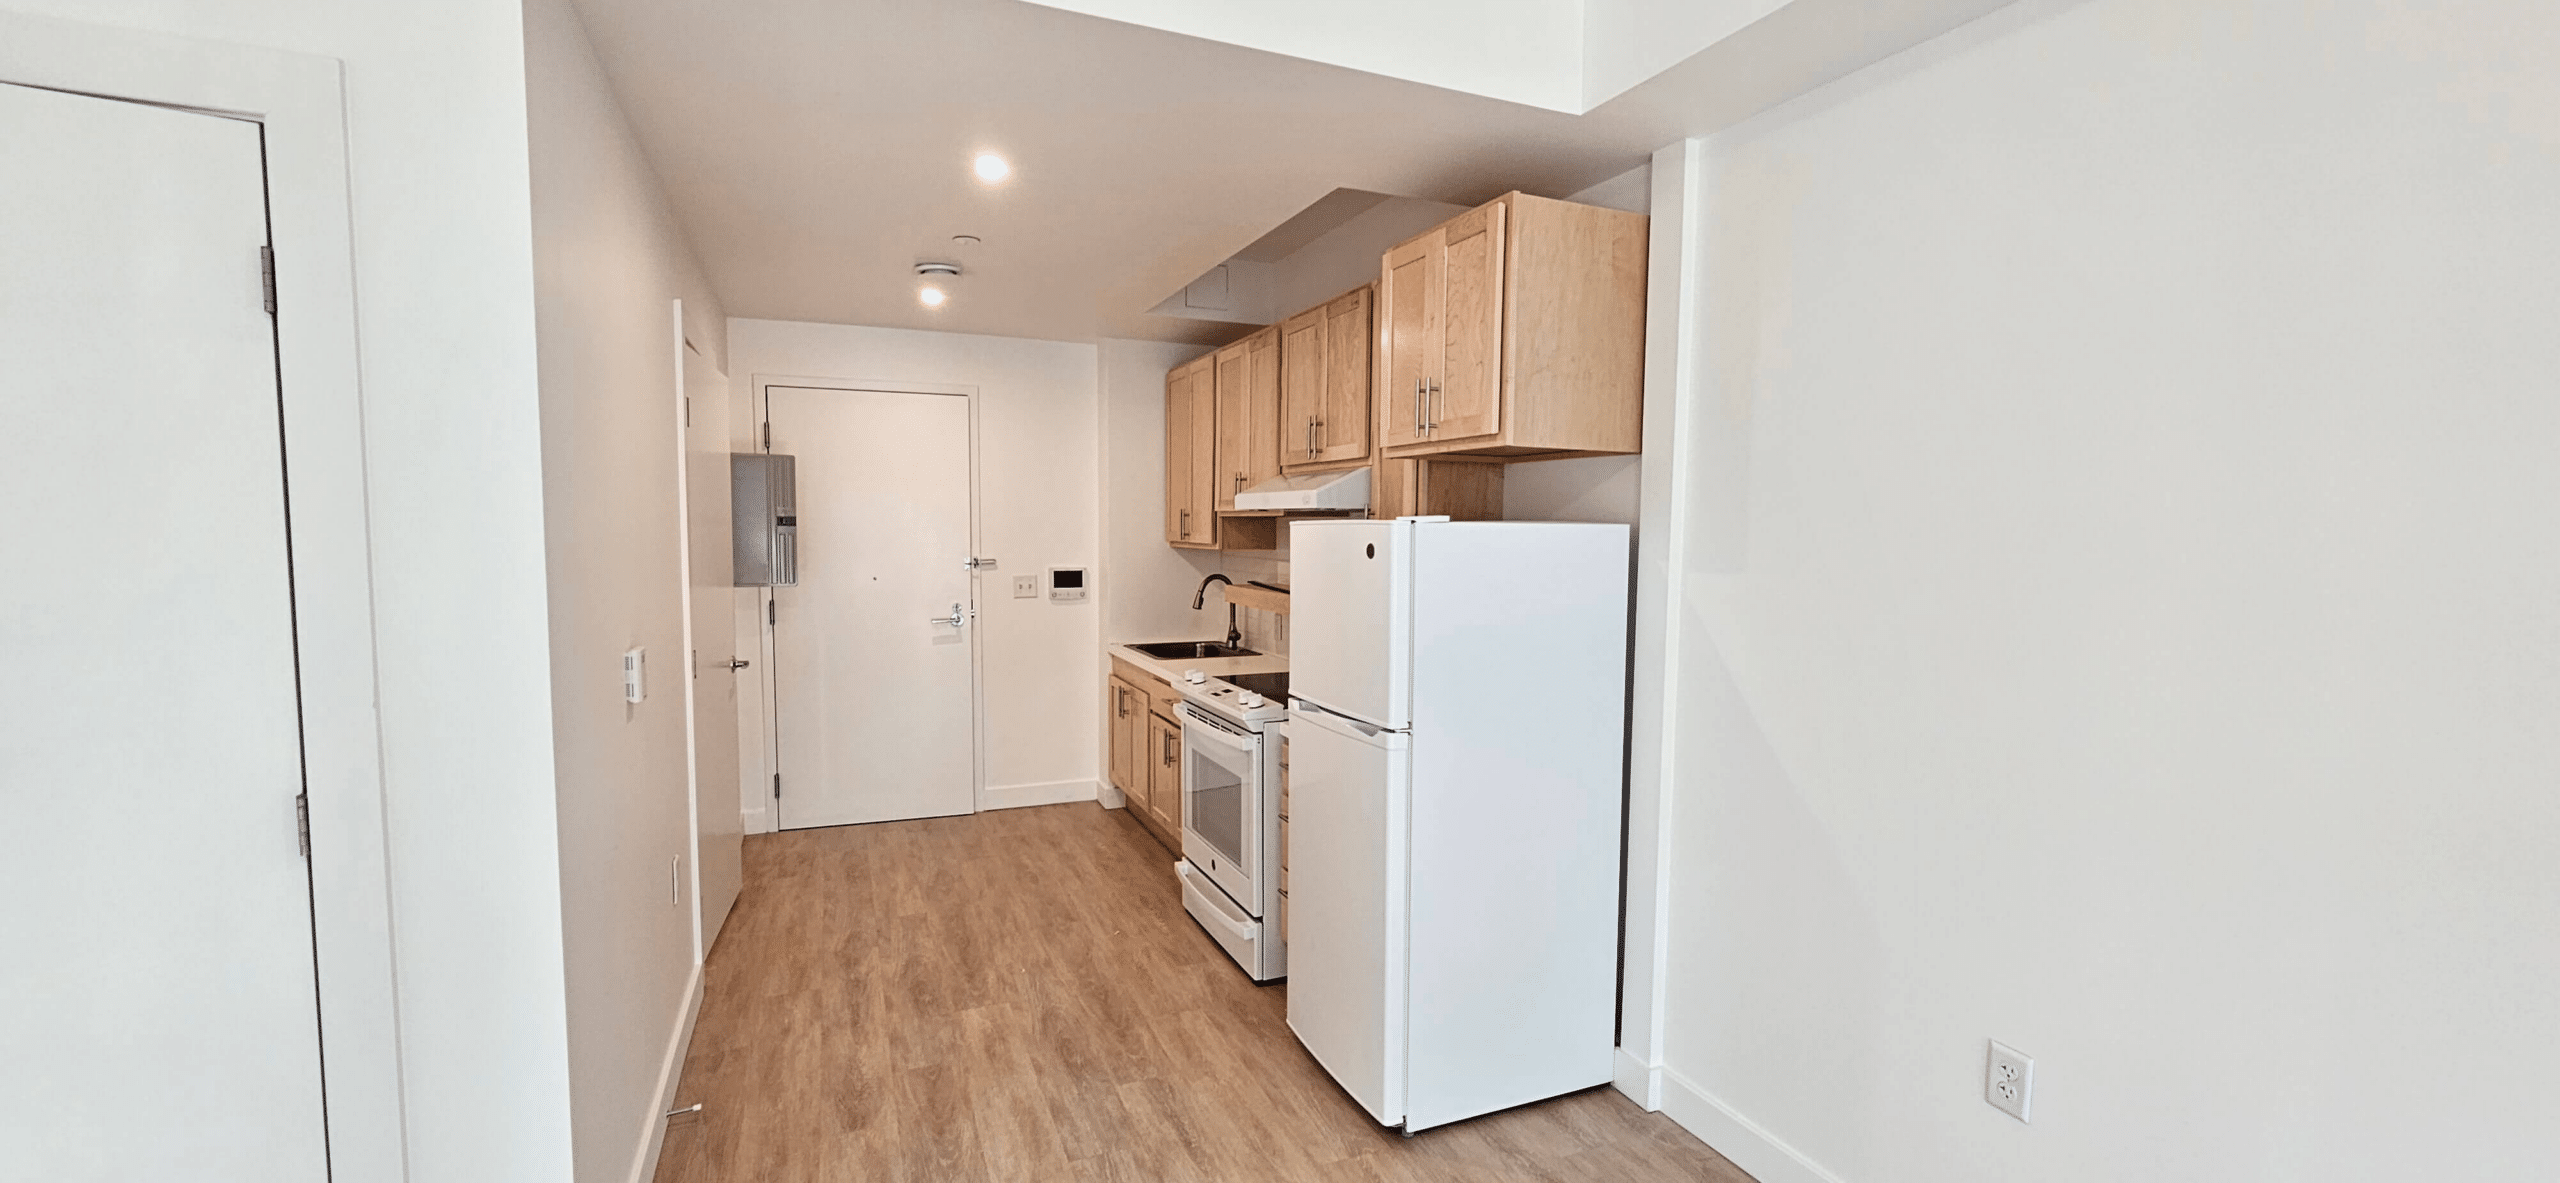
(816, 150)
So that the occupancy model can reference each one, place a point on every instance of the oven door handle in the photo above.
(1196, 731)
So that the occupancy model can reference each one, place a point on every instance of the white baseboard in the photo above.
(653, 1135)
(758, 821)
(1641, 1082)
(1054, 792)
(1109, 795)
(1755, 1150)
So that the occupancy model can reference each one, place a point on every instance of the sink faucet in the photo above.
(1200, 599)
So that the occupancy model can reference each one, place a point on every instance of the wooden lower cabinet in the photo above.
(1128, 737)
(1164, 789)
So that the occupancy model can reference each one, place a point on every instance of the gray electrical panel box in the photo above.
(765, 524)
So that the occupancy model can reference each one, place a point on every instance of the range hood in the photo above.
(1348, 489)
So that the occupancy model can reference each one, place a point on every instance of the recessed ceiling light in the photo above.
(991, 167)
(931, 297)
(934, 267)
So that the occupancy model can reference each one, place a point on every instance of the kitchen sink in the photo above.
(1194, 649)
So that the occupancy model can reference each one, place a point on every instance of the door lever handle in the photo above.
(959, 616)
(736, 663)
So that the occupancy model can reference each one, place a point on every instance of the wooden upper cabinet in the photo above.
(1302, 386)
(1515, 331)
(1409, 338)
(1235, 423)
(1325, 380)
(1189, 455)
(1464, 401)
(1342, 428)
(1264, 437)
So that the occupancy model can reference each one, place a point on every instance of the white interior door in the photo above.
(710, 633)
(161, 1018)
(874, 673)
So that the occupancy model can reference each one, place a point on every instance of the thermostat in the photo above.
(1066, 585)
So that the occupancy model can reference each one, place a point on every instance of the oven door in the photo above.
(1222, 805)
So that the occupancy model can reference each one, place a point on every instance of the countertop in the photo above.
(1171, 670)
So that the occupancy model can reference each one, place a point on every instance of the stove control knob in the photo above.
(1194, 677)
(1250, 700)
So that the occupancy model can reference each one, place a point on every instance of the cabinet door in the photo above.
(1204, 452)
(1234, 433)
(1124, 742)
(1467, 400)
(1409, 336)
(1304, 370)
(1264, 438)
(1164, 790)
(1178, 475)
(1342, 423)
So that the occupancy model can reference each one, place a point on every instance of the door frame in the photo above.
(761, 384)
(299, 103)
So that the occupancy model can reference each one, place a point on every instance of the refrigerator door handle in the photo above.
(1330, 715)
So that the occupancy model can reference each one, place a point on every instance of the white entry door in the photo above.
(155, 931)
(712, 708)
(874, 670)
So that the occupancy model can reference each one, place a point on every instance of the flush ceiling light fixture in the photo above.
(991, 168)
(931, 294)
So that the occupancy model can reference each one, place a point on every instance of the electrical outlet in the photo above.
(2008, 1080)
(1026, 587)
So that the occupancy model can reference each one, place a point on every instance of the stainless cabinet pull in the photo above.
(1431, 422)
(1417, 406)
(1186, 523)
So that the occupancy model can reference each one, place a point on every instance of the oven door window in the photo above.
(1218, 770)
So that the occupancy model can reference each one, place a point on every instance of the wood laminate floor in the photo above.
(1019, 995)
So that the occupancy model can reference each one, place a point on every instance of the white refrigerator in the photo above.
(1457, 746)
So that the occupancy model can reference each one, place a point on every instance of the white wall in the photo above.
(608, 264)
(1038, 495)
(1523, 51)
(1625, 42)
(2138, 646)
(436, 132)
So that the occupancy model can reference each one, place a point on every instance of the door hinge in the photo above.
(267, 276)
(777, 786)
(302, 821)
(688, 410)
(768, 435)
(768, 612)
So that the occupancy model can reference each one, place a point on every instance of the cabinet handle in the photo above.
(1169, 756)
(1417, 406)
(1431, 422)
(1318, 450)
(1186, 523)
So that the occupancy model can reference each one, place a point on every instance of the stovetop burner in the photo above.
(1271, 686)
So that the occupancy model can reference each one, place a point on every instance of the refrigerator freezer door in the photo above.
(1347, 808)
(1351, 619)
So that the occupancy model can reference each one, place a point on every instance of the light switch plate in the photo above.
(1026, 587)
